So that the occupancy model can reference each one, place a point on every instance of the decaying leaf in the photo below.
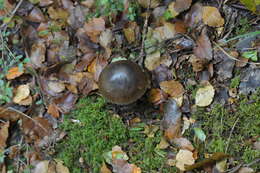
(36, 15)
(66, 102)
(97, 66)
(14, 72)
(8, 114)
(194, 16)
(205, 95)
(53, 110)
(60, 168)
(56, 86)
(171, 122)
(198, 64)
(22, 92)
(94, 28)
(3, 134)
(252, 5)
(184, 157)
(145, 3)
(37, 54)
(183, 143)
(213, 159)
(163, 144)
(182, 5)
(212, 17)
(41, 167)
(173, 88)
(203, 49)
(156, 96)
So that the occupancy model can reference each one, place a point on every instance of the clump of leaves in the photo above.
(245, 120)
(8, 60)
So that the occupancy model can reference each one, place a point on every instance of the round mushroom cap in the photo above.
(122, 82)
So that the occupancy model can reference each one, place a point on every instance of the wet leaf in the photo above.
(205, 95)
(4, 135)
(14, 72)
(156, 96)
(203, 49)
(97, 66)
(22, 92)
(200, 134)
(212, 17)
(173, 88)
(94, 28)
(184, 157)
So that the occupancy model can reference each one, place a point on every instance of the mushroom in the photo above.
(122, 82)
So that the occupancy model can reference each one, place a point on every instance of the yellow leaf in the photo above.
(212, 17)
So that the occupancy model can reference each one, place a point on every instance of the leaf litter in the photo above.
(69, 44)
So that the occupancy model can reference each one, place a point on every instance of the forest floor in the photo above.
(200, 113)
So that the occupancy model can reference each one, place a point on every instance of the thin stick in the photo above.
(232, 129)
(13, 13)
(144, 34)
(231, 57)
(17, 111)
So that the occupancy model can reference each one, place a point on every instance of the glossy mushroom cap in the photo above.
(122, 82)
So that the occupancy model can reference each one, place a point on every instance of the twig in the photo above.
(13, 13)
(233, 58)
(17, 111)
(230, 134)
(141, 56)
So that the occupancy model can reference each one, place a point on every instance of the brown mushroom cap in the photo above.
(122, 82)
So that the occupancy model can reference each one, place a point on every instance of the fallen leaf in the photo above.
(212, 17)
(203, 49)
(4, 135)
(14, 72)
(183, 143)
(97, 66)
(36, 15)
(246, 170)
(8, 114)
(56, 86)
(156, 96)
(162, 73)
(252, 5)
(171, 121)
(152, 60)
(194, 16)
(145, 3)
(163, 144)
(22, 92)
(104, 169)
(37, 54)
(105, 38)
(7, 8)
(60, 168)
(53, 110)
(58, 13)
(44, 3)
(66, 102)
(84, 62)
(205, 95)
(27, 101)
(184, 157)
(130, 32)
(211, 160)
(182, 5)
(173, 88)
(41, 167)
(198, 64)
(94, 27)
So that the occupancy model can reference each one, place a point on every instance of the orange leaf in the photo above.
(53, 111)
(173, 88)
(14, 72)
(212, 17)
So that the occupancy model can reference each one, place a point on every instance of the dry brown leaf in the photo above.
(246, 170)
(66, 102)
(37, 54)
(14, 72)
(204, 48)
(22, 92)
(212, 17)
(97, 66)
(8, 114)
(53, 110)
(152, 60)
(94, 27)
(204, 96)
(130, 32)
(145, 3)
(198, 64)
(27, 101)
(184, 157)
(60, 168)
(182, 5)
(104, 169)
(41, 167)
(173, 88)
(156, 96)
(56, 86)
(36, 15)
(3, 135)
(183, 143)
(58, 14)
(105, 38)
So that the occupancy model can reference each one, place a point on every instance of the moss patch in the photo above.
(98, 131)
(218, 123)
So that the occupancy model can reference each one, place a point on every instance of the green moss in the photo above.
(217, 124)
(98, 131)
